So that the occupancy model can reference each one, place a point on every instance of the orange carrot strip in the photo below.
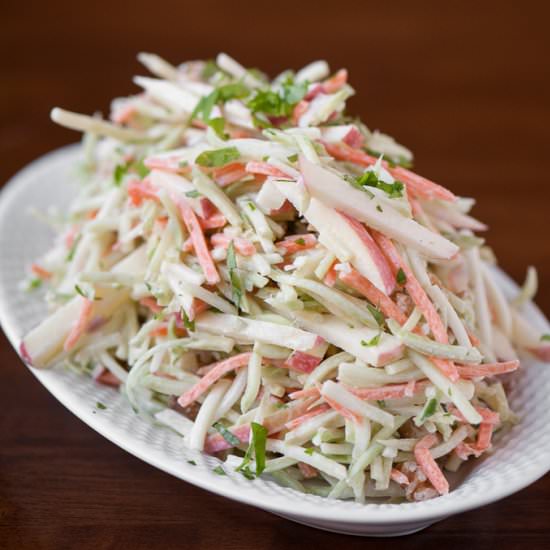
(199, 242)
(230, 173)
(429, 466)
(391, 391)
(417, 185)
(295, 422)
(331, 276)
(344, 411)
(295, 243)
(140, 190)
(489, 369)
(362, 285)
(488, 416)
(299, 109)
(219, 369)
(243, 246)
(265, 169)
(80, 325)
(40, 272)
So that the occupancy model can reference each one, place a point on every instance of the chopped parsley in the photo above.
(219, 470)
(377, 314)
(379, 208)
(210, 69)
(192, 462)
(34, 283)
(545, 338)
(270, 103)
(222, 94)
(372, 342)
(119, 173)
(300, 241)
(121, 170)
(217, 157)
(218, 125)
(80, 291)
(370, 179)
(256, 447)
(401, 278)
(100, 405)
(381, 403)
(429, 409)
(232, 439)
(187, 323)
(309, 451)
(192, 194)
(293, 158)
(236, 284)
(72, 250)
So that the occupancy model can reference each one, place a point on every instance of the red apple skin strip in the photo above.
(79, 328)
(218, 370)
(375, 253)
(417, 185)
(429, 466)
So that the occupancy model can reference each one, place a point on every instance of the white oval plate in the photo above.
(520, 458)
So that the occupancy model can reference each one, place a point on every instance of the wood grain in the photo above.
(465, 85)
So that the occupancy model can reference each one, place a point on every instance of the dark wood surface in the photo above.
(466, 85)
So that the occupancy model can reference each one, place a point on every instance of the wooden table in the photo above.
(466, 86)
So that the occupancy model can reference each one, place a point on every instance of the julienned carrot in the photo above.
(243, 246)
(79, 328)
(199, 242)
(40, 272)
(331, 275)
(429, 466)
(415, 290)
(417, 185)
(264, 169)
(295, 243)
(140, 190)
(489, 369)
(362, 285)
(151, 303)
(215, 221)
(421, 300)
(295, 422)
(345, 412)
(392, 391)
(219, 369)
(228, 174)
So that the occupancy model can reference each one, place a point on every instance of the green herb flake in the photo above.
(256, 447)
(373, 341)
(34, 283)
(379, 208)
(251, 206)
(429, 409)
(370, 179)
(100, 405)
(377, 314)
(219, 470)
(300, 241)
(217, 157)
(72, 250)
(545, 338)
(232, 439)
(309, 451)
(120, 171)
(192, 462)
(187, 323)
(401, 278)
(192, 194)
(209, 70)
(218, 125)
(80, 291)
(293, 158)
(236, 283)
(381, 403)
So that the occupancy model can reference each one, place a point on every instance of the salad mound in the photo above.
(257, 270)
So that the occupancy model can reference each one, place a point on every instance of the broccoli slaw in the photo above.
(257, 270)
